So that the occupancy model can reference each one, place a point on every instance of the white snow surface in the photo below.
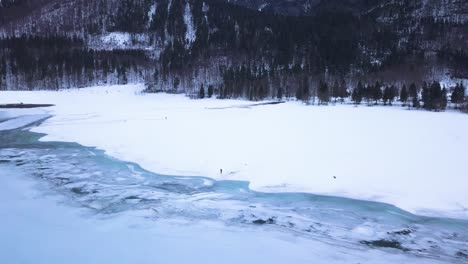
(21, 121)
(117, 38)
(413, 159)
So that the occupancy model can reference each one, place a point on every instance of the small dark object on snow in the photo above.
(221, 171)
(21, 105)
(79, 190)
(462, 254)
(404, 232)
(334, 177)
(385, 244)
(269, 221)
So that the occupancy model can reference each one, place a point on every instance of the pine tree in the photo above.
(323, 93)
(210, 90)
(279, 93)
(403, 95)
(434, 97)
(201, 93)
(376, 93)
(2, 73)
(299, 93)
(366, 93)
(357, 93)
(122, 75)
(426, 96)
(176, 83)
(413, 90)
(343, 93)
(393, 94)
(305, 89)
(415, 100)
(335, 92)
(458, 95)
(386, 95)
(443, 99)
(156, 76)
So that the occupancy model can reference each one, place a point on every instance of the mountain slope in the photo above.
(386, 40)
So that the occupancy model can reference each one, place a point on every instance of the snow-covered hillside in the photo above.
(412, 159)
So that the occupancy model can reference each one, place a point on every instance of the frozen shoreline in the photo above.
(44, 228)
(412, 159)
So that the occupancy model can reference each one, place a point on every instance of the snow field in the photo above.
(412, 159)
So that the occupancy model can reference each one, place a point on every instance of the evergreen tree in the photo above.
(210, 90)
(434, 97)
(403, 95)
(425, 96)
(323, 93)
(415, 100)
(279, 93)
(303, 91)
(413, 90)
(387, 95)
(335, 91)
(176, 83)
(367, 93)
(299, 93)
(458, 95)
(343, 93)
(393, 94)
(122, 75)
(376, 93)
(357, 93)
(443, 99)
(156, 76)
(2, 73)
(201, 92)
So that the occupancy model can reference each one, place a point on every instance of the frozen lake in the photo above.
(109, 190)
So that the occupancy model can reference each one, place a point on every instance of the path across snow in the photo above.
(413, 159)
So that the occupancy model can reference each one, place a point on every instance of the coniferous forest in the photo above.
(56, 62)
(364, 53)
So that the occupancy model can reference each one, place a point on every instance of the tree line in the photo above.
(56, 62)
(254, 55)
(210, 47)
(430, 95)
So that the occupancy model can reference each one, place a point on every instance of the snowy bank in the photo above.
(412, 159)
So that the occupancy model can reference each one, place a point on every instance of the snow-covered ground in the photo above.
(20, 121)
(412, 159)
(119, 40)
